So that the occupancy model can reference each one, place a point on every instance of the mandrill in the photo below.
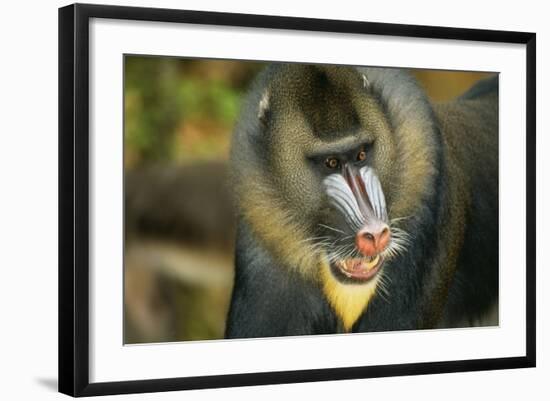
(362, 206)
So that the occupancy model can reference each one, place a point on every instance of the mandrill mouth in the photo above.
(361, 268)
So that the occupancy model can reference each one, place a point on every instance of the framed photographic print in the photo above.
(250, 199)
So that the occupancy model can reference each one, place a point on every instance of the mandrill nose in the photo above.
(372, 240)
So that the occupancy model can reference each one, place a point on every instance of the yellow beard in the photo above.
(349, 301)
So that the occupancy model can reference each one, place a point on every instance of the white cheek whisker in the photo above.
(398, 219)
(383, 284)
(340, 253)
(398, 245)
(333, 229)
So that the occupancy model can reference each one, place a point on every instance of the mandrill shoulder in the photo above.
(469, 130)
(469, 127)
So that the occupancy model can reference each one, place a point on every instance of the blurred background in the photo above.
(179, 220)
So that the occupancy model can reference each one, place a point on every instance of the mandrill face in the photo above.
(342, 149)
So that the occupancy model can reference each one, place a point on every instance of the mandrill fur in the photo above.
(362, 206)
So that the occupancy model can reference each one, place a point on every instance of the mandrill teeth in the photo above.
(349, 266)
(372, 262)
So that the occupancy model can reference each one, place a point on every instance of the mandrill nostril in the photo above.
(369, 237)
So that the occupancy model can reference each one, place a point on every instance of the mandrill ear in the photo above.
(366, 82)
(263, 107)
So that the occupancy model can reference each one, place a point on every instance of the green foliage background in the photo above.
(181, 110)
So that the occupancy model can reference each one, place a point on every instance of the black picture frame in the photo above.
(74, 194)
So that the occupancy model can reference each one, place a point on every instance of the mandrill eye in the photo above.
(332, 162)
(362, 155)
